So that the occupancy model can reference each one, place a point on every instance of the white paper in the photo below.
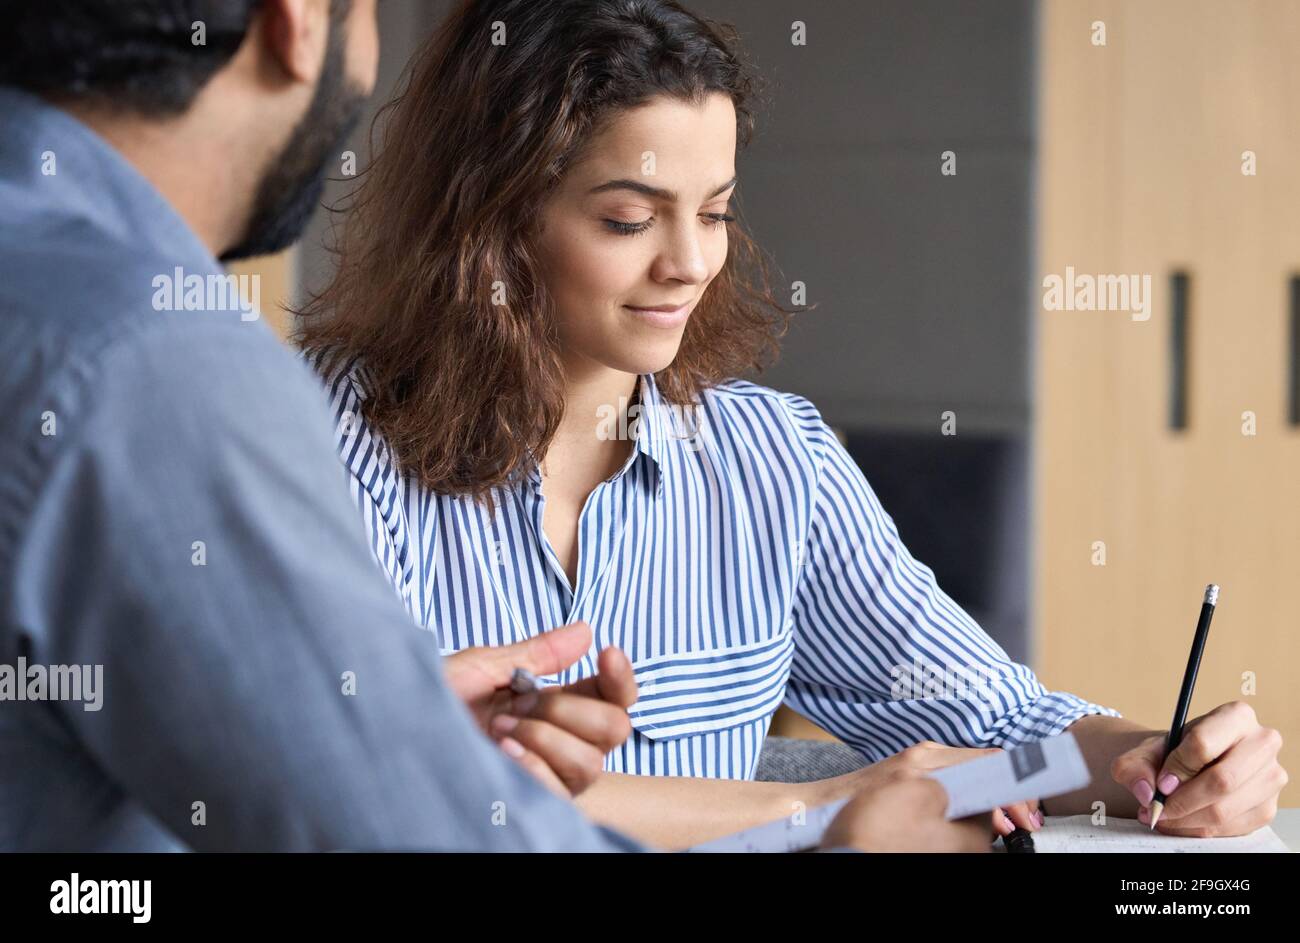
(1076, 833)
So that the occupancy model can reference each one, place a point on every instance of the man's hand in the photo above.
(925, 756)
(1222, 779)
(905, 815)
(560, 734)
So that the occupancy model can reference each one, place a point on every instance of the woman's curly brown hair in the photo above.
(464, 390)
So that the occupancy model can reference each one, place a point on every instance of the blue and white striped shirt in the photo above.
(740, 559)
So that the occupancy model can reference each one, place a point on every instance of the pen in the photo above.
(524, 681)
(1019, 841)
(1185, 695)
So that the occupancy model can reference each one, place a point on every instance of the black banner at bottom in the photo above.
(914, 892)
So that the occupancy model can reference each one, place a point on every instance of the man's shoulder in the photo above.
(69, 298)
(86, 325)
(80, 284)
(100, 381)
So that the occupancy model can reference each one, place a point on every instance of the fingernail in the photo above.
(1038, 819)
(1142, 789)
(1005, 825)
(502, 724)
(512, 747)
(1168, 783)
(1144, 815)
(524, 703)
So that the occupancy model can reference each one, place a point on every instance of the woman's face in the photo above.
(636, 225)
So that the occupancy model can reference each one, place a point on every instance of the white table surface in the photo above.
(1287, 826)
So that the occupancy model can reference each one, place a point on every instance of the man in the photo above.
(175, 534)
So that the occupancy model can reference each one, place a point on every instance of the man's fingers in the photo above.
(545, 654)
(614, 682)
(548, 653)
(534, 765)
(500, 701)
(601, 724)
(576, 762)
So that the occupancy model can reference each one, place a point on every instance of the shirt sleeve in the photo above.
(374, 486)
(884, 658)
(192, 534)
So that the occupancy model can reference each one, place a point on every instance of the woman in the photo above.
(542, 303)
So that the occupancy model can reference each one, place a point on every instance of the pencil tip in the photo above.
(1156, 809)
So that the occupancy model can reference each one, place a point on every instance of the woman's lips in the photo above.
(662, 317)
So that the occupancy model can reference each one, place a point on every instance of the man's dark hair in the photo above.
(139, 55)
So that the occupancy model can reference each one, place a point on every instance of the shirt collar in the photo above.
(656, 432)
(664, 429)
(69, 170)
(651, 426)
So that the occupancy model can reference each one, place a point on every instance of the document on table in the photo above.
(1077, 833)
(1036, 770)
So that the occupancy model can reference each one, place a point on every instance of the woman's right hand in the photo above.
(926, 756)
(906, 814)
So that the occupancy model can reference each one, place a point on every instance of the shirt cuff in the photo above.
(1045, 716)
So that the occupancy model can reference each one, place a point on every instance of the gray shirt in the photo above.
(174, 523)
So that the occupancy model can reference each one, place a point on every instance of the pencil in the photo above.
(1185, 695)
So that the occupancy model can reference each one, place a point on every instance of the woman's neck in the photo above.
(582, 452)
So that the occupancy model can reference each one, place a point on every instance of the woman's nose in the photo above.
(682, 258)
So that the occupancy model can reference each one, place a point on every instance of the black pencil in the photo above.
(1185, 695)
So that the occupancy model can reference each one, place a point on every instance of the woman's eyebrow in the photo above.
(637, 187)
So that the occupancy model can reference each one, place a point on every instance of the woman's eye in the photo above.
(628, 229)
(635, 229)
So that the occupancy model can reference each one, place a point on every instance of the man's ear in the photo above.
(295, 34)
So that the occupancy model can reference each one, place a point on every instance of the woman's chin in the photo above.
(651, 359)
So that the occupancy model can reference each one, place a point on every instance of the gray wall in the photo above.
(403, 26)
(920, 279)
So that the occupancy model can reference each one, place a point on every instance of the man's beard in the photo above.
(291, 190)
